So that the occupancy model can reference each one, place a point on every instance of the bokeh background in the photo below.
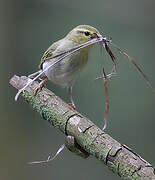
(27, 29)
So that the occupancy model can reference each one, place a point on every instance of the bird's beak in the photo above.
(95, 35)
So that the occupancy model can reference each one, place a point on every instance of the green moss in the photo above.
(45, 113)
(51, 115)
(91, 142)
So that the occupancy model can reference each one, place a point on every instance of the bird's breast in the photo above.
(65, 72)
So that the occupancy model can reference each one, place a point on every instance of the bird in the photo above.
(63, 61)
(65, 72)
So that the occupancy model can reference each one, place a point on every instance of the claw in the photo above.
(72, 106)
(41, 85)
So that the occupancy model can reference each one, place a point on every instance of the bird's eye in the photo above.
(87, 33)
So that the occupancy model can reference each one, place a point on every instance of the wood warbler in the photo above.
(66, 58)
(65, 71)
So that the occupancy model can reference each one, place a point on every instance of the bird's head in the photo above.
(83, 33)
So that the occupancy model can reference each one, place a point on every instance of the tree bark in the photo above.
(89, 139)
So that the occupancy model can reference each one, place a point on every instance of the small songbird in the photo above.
(66, 58)
(65, 72)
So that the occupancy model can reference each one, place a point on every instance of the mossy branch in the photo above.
(90, 140)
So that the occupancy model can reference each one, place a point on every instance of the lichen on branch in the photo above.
(89, 139)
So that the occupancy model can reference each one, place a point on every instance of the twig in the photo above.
(89, 138)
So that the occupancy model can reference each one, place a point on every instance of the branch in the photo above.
(89, 139)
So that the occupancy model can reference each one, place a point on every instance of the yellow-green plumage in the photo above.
(65, 72)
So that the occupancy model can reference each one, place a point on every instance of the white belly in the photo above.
(65, 72)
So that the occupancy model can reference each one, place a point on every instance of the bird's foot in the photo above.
(41, 85)
(72, 106)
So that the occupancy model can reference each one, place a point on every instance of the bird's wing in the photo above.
(49, 53)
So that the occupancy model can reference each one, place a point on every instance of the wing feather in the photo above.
(49, 53)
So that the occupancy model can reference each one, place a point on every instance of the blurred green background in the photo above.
(28, 27)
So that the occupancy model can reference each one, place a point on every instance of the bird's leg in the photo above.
(41, 85)
(71, 98)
